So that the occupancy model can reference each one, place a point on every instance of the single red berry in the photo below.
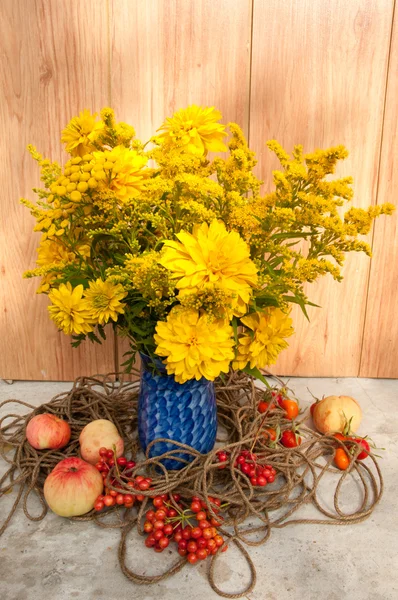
(160, 514)
(103, 452)
(121, 461)
(164, 542)
(144, 485)
(109, 454)
(109, 500)
(183, 544)
(158, 534)
(202, 543)
(253, 480)
(150, 541)
(171, 512)
(207, 533)
(178, 536)
(196, 506)
(204, 523)
(219, 540)
(120, 499)
(150, 515)
(158, 524)
(192, 558)
(271, 478)
(200, 515)
(158, 502)
(99, 505)
(148, 527)
(187, 532)
(168, 529)
(211, 543)
(182, 552)
(130, 464)
(201, 553)
(261, 481)
(128, 499)
(196, 532)
(192, 546)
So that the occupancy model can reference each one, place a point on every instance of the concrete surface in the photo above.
(55, 559)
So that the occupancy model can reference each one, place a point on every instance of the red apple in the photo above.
(98, 434)
(72, 487)
(47, 431)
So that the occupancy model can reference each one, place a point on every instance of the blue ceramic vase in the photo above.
(184, 412)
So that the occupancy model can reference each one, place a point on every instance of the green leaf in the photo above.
(256, 373)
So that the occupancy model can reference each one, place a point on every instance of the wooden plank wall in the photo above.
(316, 72)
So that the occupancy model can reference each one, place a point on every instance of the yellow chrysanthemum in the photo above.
(69, 311)
(193, 345)
(50, 252)
(120, 170)
(103, 300)
(261, 346)
(80, 133)
(212, 256)
(195, 130)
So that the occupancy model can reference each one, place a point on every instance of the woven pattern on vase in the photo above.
(184, 412)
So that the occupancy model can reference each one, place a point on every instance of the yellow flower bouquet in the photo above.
(180, 251)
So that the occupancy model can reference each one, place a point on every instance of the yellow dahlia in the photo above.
(68, 309)
(212, 256)
(103, 300)
(120, 170)
(194, 346)
(261, 346)
(195, 130)
(80, 133)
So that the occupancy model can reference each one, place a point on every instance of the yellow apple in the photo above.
(99, 434)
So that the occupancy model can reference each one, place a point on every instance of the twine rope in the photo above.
(302, 472)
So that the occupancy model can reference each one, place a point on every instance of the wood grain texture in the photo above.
(380, 344)
(318, 78)
(54, 62)
(167, 55)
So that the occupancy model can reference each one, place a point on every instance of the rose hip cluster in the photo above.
(124, 467)
(195, 541)
(260, 475)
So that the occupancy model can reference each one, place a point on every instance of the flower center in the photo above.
(100, 301)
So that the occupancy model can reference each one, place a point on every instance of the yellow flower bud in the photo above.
(53, 188)
(87, 167)
(65, 223)
(82, 186)
(87, 157)
(84, 176)
(92, 183)
(65, 182)
(67, 171)
(56, 204)
(75, 177)
(108, 165)
(71, 187)
(61, 190)
(51, 231)
(76, 196)
(50, 198)
(60, 232)
(76, 160)
(99, 175)
(75, 169)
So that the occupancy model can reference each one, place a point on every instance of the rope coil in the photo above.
(302, 471)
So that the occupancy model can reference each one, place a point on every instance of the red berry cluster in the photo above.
(158, 522)
(260, 475)
(195, 542)
(120, 496)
